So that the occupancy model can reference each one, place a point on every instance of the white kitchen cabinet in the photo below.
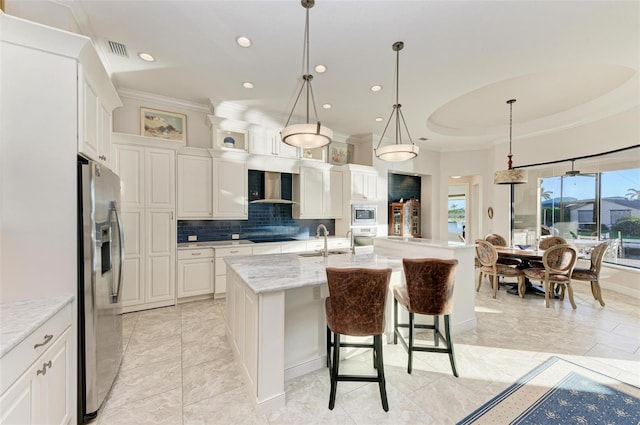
(96, 101)
(160, 178)
(333, 194)
(269, 142)
(36, 386)
(221, 267)
(318, 193)
(148, 181)
(266, 249)
(230, 190)
(195, 272)
(363, 184)
(195, 193)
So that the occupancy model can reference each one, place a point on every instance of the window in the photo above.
(600, 202)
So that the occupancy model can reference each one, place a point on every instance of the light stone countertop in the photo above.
(271, 273)
(232, 243)
(426, 242)
(19, 319)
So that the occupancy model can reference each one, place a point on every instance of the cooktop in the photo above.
(273, 239)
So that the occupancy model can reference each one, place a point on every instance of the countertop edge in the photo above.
(17, 326)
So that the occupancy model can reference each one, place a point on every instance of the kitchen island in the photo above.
(275, 315)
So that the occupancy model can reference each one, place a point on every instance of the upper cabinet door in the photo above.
(364, 186)
(160, 168)
(333, 194)
(309, 192)
(90, 110)
(230, 191)
(129, 165)
(195, 194)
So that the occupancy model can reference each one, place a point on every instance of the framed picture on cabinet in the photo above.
(163, 124)
(338, 153)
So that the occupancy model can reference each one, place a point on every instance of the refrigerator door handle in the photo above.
(116, 296)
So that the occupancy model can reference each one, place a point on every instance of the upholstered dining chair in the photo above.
(488, 257)
(498, 240)
(592, 274)
(427, 290)
(558, 261)
(543, 245)
(356, 306)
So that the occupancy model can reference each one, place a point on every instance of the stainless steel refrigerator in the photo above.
(100, 259)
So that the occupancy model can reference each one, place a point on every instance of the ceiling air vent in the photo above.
(118, 49)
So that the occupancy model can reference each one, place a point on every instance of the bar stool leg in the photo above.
(328, 347)
(436, 331)
(377, 343)
(452, 359)
(410, 350)
(395, 321)
(334, 371)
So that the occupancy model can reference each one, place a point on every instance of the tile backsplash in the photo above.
(266, 221)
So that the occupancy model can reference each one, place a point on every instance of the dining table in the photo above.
(525, 256)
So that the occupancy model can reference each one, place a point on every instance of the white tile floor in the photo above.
(178, 368)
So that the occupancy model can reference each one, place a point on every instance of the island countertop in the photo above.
(278, 272)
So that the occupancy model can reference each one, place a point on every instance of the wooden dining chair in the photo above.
(543, 245)
(488, 257)
(498, 240)
(559, 262)
(592, 274)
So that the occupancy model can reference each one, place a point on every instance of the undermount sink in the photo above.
(319, 253)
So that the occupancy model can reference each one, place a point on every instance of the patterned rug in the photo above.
(561, 392)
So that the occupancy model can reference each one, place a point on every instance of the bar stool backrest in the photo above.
(430, 283)
(357, 298)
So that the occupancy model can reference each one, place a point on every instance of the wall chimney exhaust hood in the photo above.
(272, 193)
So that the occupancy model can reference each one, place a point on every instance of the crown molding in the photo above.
(165, 100)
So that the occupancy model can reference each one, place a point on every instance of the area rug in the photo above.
(561, 392)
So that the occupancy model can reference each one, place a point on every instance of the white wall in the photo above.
(127, 118)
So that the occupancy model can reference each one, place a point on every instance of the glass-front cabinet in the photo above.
(404, 218)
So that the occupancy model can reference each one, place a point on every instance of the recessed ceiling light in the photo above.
(146, 57)
(378, 119)
(327, 106)
(456, 177)
(247, 85)
(320, 68)
(243, 41)
(376, 88)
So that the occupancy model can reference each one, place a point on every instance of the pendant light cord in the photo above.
(397, 46)
(306, 78)
(510, 162)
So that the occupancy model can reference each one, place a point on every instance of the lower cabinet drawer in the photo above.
(188, 254)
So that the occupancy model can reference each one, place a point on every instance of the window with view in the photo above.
(600, 200)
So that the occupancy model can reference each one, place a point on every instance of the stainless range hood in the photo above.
(272, 190)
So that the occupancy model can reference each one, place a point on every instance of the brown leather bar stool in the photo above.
(355, 306)
(428, 290)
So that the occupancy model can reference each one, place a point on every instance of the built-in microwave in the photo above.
(364, 215)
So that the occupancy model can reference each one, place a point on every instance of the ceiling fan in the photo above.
(572, 172)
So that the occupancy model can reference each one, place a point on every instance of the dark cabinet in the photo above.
(404, 219)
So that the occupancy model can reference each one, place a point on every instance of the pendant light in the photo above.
(308, 135)
(398, 151)
(511, 175)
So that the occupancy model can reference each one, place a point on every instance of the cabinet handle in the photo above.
(47, 338)
(235, 251)
(196, 253)
(44, 368)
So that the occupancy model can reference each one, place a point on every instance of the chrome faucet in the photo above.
(326, 233)
(349, 236)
